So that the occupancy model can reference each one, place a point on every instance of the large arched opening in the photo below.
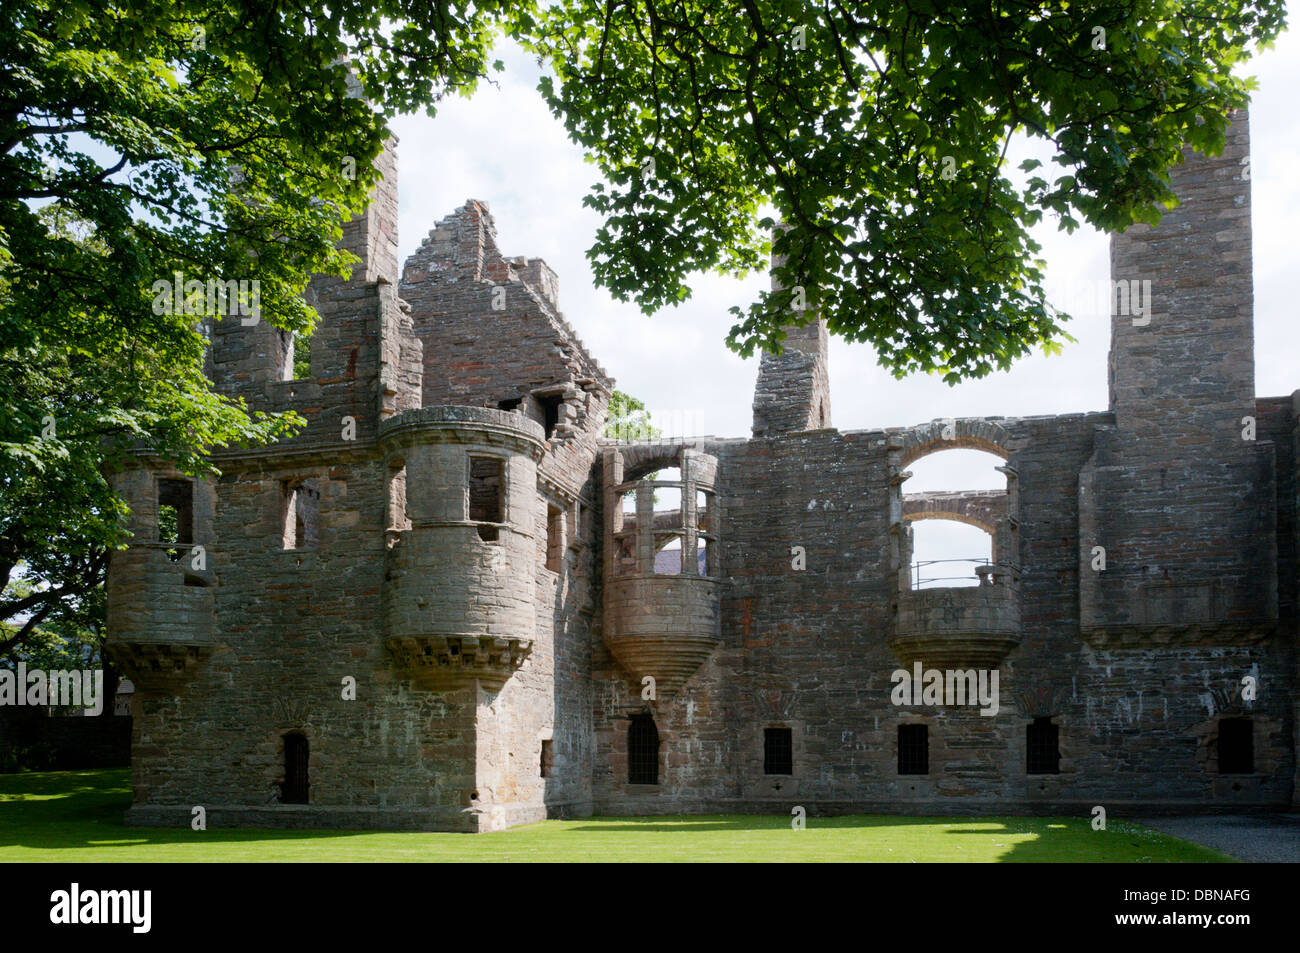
(954, 508)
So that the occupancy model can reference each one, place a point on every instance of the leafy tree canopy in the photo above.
(627, 419)
(144, 138)
(876, 133)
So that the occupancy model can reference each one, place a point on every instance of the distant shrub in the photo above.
(37, 757)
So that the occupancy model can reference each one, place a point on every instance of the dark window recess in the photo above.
(486, 495)
(642, 751)
(511, 405)
(913, 749)
(550, 412)
(1236, 746)
(294, 790)
(778, 751)
(548, 758)
(175, 511)
(1044, 747)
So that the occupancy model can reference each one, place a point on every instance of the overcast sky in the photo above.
(504, 147)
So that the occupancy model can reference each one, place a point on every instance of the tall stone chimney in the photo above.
(1177, 505)
(793, 388)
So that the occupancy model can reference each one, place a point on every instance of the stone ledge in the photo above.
(444, 662)
(671, 659)
(310, 816)
(1116, 810)
(484, 420)
(147, 662)
(956, 626)
(1154, 636)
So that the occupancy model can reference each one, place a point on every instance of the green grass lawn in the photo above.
(77, 816)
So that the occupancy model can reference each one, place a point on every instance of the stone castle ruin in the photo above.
(450, 603)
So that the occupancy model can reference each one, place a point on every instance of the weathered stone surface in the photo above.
(469, 562)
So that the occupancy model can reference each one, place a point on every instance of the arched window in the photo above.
(953, 503)
(642, 751)
(294, 790)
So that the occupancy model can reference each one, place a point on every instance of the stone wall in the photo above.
(454, 666)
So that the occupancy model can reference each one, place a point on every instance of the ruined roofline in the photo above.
(470, 249)
(879, 433)
(616, 444)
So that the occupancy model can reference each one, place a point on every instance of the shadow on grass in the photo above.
(739, 823)
(60, 810)
(1028, 839)
(83, 810)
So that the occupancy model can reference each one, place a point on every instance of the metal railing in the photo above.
(972, 578)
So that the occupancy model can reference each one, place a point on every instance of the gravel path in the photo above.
(1273, 838)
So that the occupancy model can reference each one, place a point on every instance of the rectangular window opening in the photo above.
(1236, 746)
(668, 555)
(554, 538)
(296, 760)
(625, 555)
(397, 498)
(301, 513)
(778, 751)
(548, 758)
(550, 412)
(913, 749)
(300, 355)
(176, 512)
(1043, 743)
(486, 490)
(284, 355)
(577, 519)
(703, 511)
(642, 751)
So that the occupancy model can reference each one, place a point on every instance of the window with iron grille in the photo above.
(1236, 746)
(1044, 746)
(778, 751)
(913, 749)
(294, 789)
(642, 751)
